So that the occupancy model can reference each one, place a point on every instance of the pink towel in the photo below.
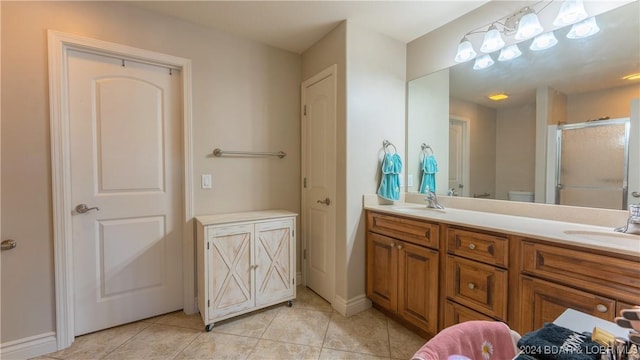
(477, 340)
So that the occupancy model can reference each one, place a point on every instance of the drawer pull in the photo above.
(472, 246)
(471, 286)
(400, 247)
(602, 308)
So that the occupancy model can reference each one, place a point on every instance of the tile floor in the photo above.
(308, 330)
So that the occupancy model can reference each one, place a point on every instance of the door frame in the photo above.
(466, 152)
(59, 45)
(329, 71)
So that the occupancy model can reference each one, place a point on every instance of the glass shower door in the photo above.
(592, 164)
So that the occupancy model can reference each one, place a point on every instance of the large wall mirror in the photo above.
(488, 149)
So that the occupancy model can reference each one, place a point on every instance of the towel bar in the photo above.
(219, 152)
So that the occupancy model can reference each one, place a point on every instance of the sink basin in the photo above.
(601, 235)
(416, 208)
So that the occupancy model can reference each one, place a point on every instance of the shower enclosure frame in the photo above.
(575, 126)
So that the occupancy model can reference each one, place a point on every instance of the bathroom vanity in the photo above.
(245, 261)
(432, 268)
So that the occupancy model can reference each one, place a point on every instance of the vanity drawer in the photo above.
(414, 231)
(490, 249)
(597, 272)
(455, 313)
(479, 286)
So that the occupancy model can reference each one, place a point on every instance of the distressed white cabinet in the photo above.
(246, 261)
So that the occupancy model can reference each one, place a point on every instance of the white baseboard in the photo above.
(29, 347)
(352, 306)
(299, 278)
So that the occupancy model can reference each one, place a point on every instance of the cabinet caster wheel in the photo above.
(208, 328)
(290, 303)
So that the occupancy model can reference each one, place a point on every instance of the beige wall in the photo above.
(246, 96)
(614, 103)
(515, 149)
(370, 108)
(375, 111)
(482, 144)
(428, 118)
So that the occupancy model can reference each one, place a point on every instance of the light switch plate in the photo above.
(206, 181)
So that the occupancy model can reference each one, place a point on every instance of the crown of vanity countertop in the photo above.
(570, 233)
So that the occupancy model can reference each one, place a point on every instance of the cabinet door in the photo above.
(274, 266)
(382, 271)
(230, 260)
(543, 301)
(418, 286)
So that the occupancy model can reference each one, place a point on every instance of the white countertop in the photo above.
(592, 237)
(226, 218)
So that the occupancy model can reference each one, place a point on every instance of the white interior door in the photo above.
(458, 156)
(319, 188)
(126, 161)
(634, 154)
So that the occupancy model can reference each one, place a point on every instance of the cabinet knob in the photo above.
(254, 267)
(472, 246)
(400, 247)
(471, 286)
(393, 244)
(602, 308)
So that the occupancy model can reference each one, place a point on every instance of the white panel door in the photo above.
(126, 162)
(458, 157)
(319, 172)
(274, 261)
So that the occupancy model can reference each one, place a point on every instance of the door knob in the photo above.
(635, 194)
(326, 201)
(8, 244)
(82, 208)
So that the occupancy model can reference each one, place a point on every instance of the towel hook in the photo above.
(426, 147)
(386, 144)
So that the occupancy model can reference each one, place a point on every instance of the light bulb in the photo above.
(544, 41)
(483, 62)
(492, 40)
(529, 26)
(509, 53)
(465, 51)
(570, 12)
(584, 29)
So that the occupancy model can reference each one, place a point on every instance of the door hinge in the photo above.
(293, 281)
(305, 110)
(305, 183)
(208, 303)
(293, 233)
(207, 245)
(304, 254)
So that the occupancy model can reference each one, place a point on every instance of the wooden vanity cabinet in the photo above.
(557, 277)
(402, 273)
(487, 275)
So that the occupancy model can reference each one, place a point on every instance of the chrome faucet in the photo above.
(432, 201)
(633, 222)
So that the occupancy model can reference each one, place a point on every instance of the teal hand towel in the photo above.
(429, 170)
(390, 184)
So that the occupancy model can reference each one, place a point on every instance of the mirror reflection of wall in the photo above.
(507, 139)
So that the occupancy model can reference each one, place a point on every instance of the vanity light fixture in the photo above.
(570, 12)
(635, 76)
(465, 51)
(543, 41)
(483, 62)
(529, 25)
(509, 53)
(492, 40)
(584, 29)
(498, 96)
(505, 33)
